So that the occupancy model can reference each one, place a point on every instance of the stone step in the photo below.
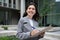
(54, 28)
(12, 28)
(7, 33)
(48, 36)
(1, 29)
(51, 36)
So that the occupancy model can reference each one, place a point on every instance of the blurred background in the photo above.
(12, 10)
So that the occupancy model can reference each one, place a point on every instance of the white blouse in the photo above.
(31, 22)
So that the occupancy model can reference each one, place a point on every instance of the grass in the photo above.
(9, 38)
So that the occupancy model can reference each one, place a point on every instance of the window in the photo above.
(53, 17)
(9, 18)
(0, 2)
(57, 7)
(4, 2)
(14, 3)
(9, 3)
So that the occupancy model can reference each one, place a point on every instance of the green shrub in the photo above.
(9, 38)
(5, 27)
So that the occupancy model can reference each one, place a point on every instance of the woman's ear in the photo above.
(26, 11)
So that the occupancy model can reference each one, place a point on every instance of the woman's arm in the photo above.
(20, 33)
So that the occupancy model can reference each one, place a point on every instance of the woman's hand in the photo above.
(37, 32)
(34, 32)
(42, 34)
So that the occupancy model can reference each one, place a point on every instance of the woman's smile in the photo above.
(31, 10)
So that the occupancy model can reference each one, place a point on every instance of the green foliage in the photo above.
(47, 6)
(9, 38)
(5, 27)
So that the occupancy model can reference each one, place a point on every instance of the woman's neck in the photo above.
(30, 17)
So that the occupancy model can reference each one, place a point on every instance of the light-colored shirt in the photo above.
(31, 22)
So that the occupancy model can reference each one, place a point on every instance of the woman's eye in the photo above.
(29, 8)
(33, 9)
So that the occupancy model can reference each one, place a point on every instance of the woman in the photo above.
(28, 24)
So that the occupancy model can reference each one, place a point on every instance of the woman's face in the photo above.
(31, 10)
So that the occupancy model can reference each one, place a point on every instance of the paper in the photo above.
(44, 30)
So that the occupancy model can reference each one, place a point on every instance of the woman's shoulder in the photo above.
(35, 21)
(23, 18)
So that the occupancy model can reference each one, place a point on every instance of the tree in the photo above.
(46, 7)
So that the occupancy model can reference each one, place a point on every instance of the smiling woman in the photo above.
(27, 26)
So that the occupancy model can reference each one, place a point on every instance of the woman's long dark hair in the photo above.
(36, 16)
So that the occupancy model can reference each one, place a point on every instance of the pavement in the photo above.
(48, 35)
(53, 34)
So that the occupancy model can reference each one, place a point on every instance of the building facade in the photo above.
(54, 16)
(9, 12)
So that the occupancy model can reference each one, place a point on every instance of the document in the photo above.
(44, 30)
(47, 29)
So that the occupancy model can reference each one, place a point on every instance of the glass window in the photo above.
(14, 3)
(54, 16)
(5, 2)
(9, 3)
(1, 17)
(57, 7)
(0, 2)
(9, 18)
